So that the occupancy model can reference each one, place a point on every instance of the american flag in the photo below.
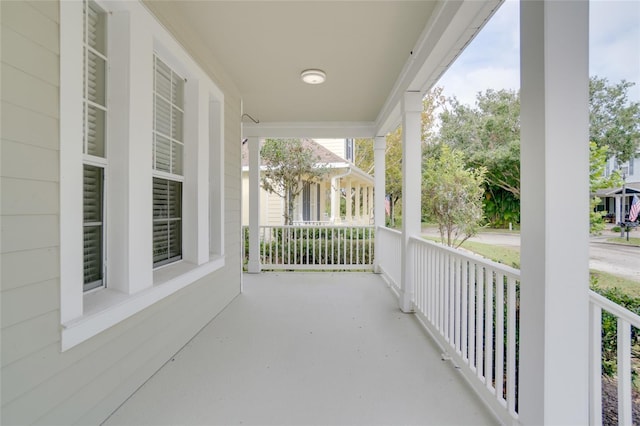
(635, 209)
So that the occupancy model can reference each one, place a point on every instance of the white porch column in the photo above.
(357, 203)
(335, 200)
(253, 266)
(554, 333)
(323, 201)
(379, 168)
(369, 203)
(365, 204)
(618, 209)
(411, 106)
(349, 200)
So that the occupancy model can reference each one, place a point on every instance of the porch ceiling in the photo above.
(365, 47)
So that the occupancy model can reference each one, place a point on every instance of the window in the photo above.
(94, 142)
(122, 103)
(349, 150)
(168, 103)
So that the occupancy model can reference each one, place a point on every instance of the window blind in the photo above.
(168, 118)
(93, 226)
(168, 144)
(95, 66)
(167, 221)
(94, 142)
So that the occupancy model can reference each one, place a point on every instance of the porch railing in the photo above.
(390, 255)
(470, 305)
(603, 310)
(296, 247)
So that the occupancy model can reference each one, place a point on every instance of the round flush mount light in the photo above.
(313, 76)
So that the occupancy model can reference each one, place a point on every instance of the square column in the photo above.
(365, 205)
(379, 167)
(357, 203)
(335, 200)
(322, 187)
(411, 106)
(554, 307)
(369, 203)
(253, 266)
(349, 201)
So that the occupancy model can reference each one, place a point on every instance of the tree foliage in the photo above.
(452, 195)
(598, 180)
(288, 164)
(614, 120)
(393, 150)
(488, 134)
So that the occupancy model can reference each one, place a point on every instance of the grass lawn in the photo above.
(511, 257)
(633, 241)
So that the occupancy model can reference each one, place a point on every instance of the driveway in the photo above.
(617, 259)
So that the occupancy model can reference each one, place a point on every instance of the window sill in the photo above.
(105, 308)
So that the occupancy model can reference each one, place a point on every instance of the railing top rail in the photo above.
(477, 258)
(389, 230)
(614, 308)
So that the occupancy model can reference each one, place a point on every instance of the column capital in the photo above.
(380, 142)
(411, 102)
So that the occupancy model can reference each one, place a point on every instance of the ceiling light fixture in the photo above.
(313, 76)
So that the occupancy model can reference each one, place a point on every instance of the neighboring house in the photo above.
(319, 202)
(612, 198)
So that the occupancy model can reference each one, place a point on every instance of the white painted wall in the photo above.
(334, 145)
(41, 383)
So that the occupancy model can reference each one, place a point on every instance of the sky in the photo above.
(492, 59)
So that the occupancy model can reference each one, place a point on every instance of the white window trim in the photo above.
(137, 286)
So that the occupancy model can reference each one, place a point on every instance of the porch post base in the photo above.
(254, 267)
(405, 302)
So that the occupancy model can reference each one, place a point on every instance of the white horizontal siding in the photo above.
(42, 296)
(83, 385)
(35, 20)
(32, 58)
(29, 127)
(21, 196)
(17, 267)
(27, 91)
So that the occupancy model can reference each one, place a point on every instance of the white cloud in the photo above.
(614, 42)
(492, 60)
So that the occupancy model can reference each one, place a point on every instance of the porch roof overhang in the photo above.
(372, 52)
(630, 189)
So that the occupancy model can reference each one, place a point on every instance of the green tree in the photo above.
(614, 120)
(393, 151)
(452, 195)
(598, 180)
(288, 164)
(489, 136)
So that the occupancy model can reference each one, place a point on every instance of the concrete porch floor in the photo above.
(307, 348)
